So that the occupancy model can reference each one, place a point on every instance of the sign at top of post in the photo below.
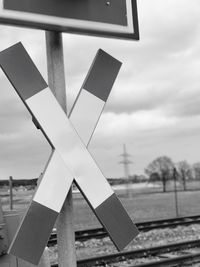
(107, 18)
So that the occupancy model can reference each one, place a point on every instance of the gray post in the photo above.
(56, 80)
(11, 192)
(175, 192)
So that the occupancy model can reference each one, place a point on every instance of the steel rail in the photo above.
(144, 252)
(184, 259)
(83, 235)
(103, 260)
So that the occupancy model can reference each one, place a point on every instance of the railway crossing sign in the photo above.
(70, 158)
(108, 18)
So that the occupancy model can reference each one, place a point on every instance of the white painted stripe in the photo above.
(55, 184)
(65, 139)
(85, 114)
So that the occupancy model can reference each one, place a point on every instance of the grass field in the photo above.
(143, 205)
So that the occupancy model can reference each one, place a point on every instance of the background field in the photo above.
(146, 203)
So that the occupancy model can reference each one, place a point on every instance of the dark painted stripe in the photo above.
(21, 71)
(102, 75)
(33, 234)
(90, 10)
(117, 222)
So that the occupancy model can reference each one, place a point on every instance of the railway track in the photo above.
(98, 233)
(164, 256)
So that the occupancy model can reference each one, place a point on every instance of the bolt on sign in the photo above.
(70, 159)
(108, 18)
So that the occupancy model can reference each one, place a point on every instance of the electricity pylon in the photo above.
(125, 161)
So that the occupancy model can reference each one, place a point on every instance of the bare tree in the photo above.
(161, 169)
(184, 172)
(196, 169)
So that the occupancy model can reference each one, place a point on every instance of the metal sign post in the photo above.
(56, 80)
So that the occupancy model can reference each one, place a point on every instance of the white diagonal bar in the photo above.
(56, 181)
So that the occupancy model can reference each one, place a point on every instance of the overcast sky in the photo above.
(154, 107)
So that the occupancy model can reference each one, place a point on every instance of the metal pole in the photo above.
(11, 192)
(56, 80)
(175, 192)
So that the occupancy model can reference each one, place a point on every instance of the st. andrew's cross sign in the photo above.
(70, 159)
(109, 18)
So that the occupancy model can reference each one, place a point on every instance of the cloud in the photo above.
(23, 154)
(154, 104)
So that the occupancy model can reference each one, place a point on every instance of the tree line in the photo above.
(20, 182)
(163, 169)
